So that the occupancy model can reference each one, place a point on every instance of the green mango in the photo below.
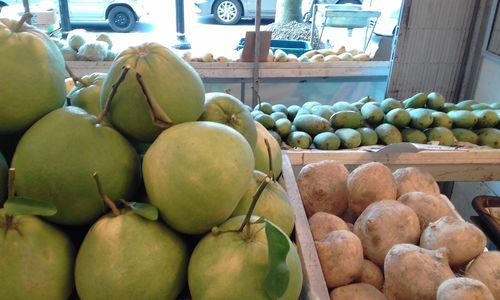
(310, 104)
(276, 115)
(398, 117)
(265, 120)
(373, 114)
(369, 136)
(347, 119)
(388, 134)
(357, 105)
(349, 138)
(441, 119)
(485, 118)
(421, 118)
(255, 113)
(264, 107)
(416, 101)
(490, 138)
(292, 111)
(326, 141)
(412, 135)
(366, 99)
(344, 106)
(299, 139)
(324, 111)
(465, 135)
(447, 107)
(280, 108)
(480, 106)
(466, 104)
(283, 127)
(443, 135)
(390, 104)
(311, 124)
(435, 101)
(4, 173)
(463, 118)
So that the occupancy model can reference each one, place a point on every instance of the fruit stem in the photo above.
(256, 197)
(270, 157)
(105, 198)
(21, 22)
(158, 116)
(74, 77)
(114, 88)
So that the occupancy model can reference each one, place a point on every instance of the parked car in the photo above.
(121, 14)
(228, 12)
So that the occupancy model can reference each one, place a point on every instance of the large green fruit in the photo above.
(226, 109)
(416, 101)
(443, 135)
(326, 141)
(421, 118)
(373, 114)
(312, 124)
(398, 117)
(56, 157)
(388, 134)
(196, 173)
(389, 104)
(347, 119)
(435, 101)
(234, 265)
(175, 89)
(261, 155)
(3, 179)
(463, 118)
(31, 76)
(86, 94)
(130, 257)
(36, 260)
(349, 138)
(273, 203)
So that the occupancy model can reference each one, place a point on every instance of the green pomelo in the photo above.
(36, 260)
(349, 138)
(261, 155)
(93, 51)
(373, 114)
(347, 119)
(299, 139)
(76, 38)
(443, 135)
(264, 107)
(31, 76)
(56, 157)
(411, 135)
(130, 257)
(105, 38)
(280, 108)
(326, 141)
(465, 135)
(485, 118)
(441, 119)
(388, 134)
(369, 136)
(86, 95)
(283, 127)
(421, 118)
(234, 265)
(389, 104)
(463, 118)
(276, 115)
(228, 110)
(4, 170)
(265, 120)
(175, 89)
(196, 173)
(273, 203)
(398, 117)
(312, 124)
(435, 101)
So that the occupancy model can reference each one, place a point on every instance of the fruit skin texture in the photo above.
(130, 257)
(56, 157)
(87, 97)
(172, 83)
(233, 266)
(37, 264)
(31, 76)
(196, 173)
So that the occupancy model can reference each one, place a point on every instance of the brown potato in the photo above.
(384, 224)
(413, 179)
(322, 223)
(463, 289)
(369, 183)
(341, 256)
(428, 207)
(371, 274)
(486, 268)
(415, 273)
(356, 291)
(463, 240)
(322, 186)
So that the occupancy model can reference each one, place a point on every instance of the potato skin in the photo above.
(323, 187)
(369, 183)
(384, 224)
(341, 256)
(413, 179)
(414, 273)
(322, 223)
(356, 291)
(428, 207)
(463, 240)
(463, 289)
(486, 268)
(371, 274)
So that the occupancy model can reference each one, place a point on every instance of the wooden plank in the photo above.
(314, 286)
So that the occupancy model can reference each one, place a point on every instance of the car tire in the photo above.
(227, 12)
(121, 19)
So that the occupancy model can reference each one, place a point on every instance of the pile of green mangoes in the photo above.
(422, 118)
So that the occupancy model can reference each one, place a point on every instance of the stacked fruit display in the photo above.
(383, 234)
(422, 118)
(84, 46)
(72, 215)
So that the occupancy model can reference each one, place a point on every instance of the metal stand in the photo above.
(182, 42)
(64, 12)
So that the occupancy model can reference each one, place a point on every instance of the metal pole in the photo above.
(64, 13)
(256, 58)
(182, 42)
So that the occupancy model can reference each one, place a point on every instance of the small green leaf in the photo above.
(278, 274)
(16, 206)
(144, 210)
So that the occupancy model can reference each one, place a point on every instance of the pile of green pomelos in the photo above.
(136, 184)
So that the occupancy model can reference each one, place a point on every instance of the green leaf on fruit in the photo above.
(16, 206)
(278, 274)
(144, 210)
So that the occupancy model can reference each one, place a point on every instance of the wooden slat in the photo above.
(314, 286)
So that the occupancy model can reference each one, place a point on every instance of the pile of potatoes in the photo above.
(391, 235)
